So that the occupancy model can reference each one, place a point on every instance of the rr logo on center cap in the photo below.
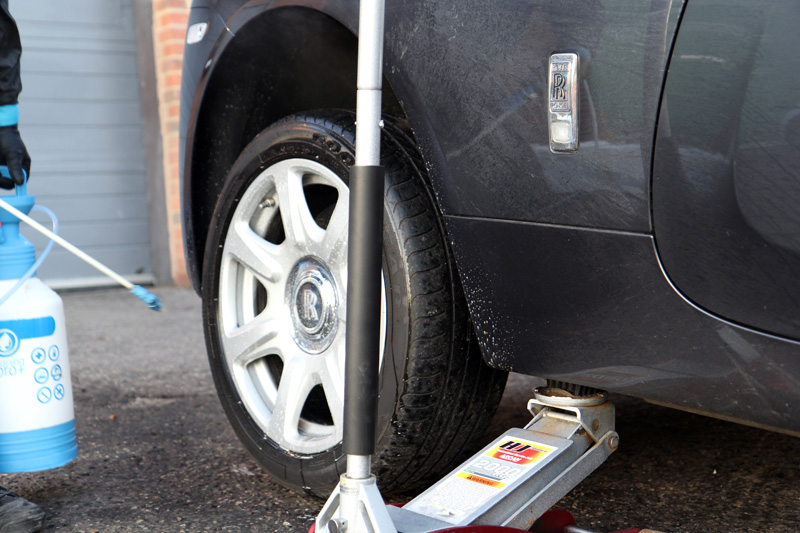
(309, 306)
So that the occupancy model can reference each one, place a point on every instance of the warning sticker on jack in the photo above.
(505, 462)
(480, 480)
(520, 452)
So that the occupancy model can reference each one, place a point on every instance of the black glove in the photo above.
(14, 155)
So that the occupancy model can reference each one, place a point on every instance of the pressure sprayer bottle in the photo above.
(37, 421)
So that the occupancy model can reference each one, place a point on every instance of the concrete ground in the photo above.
(158, 454)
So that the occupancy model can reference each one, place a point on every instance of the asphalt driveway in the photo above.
(158, 454)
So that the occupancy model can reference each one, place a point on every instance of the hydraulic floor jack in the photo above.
(509, 484)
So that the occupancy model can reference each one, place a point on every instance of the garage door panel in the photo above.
(86, 235)
(74, 12)
(77, 41)
(81, 121)
(95, 165)
(54, 113)
(62, 268)
(60, 61)
(60, 185)
(99, 208)
(95, 87)
(82, 141)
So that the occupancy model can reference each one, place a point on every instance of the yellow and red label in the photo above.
(482, 480)
(505, 462)
(520, 452)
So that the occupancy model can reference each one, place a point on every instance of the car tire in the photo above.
(273, 288)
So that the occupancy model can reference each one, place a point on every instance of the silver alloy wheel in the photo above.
(282, 305)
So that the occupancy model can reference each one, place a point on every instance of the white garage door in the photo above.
(80, 118)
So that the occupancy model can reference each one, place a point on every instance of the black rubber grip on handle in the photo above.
(362, 340)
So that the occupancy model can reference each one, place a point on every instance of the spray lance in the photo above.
(37, 430)
(152, 301)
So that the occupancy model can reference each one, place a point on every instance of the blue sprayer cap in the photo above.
(17, 254)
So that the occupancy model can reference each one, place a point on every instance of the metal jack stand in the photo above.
(356, 505)
(509, 483)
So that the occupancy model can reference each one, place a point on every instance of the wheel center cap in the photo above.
(313, 301)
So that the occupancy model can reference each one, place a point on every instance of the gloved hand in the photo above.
(14, 155)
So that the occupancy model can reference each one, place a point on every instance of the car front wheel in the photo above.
(274, 301)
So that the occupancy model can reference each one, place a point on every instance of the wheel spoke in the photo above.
(333, 248)
(297, 380)
(257, 255)
(298, 223)
(259, 337)
(332, 378)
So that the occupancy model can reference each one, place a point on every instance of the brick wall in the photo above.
(169, 33)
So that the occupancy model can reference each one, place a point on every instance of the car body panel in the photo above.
(558, 257)
(487, 118)
(593, 307)
(727, 163)
(485, 137)
(194, 72)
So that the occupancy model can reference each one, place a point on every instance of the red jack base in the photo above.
(555, 521)
(560, 520)
(464, 529)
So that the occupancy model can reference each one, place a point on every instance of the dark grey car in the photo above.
(660, 259)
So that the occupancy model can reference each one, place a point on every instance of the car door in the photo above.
(726, 175)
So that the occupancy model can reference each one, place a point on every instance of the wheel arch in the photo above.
(316, 58)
